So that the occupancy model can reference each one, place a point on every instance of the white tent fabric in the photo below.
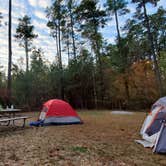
(145, 143)
(150, 118)
(149, 141)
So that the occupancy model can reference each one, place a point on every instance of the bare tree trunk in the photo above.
(100, 74)
(68, 46)
(60, 62)
(72, 33)
(98, 60)
(154, 54)
(9, 53)
(27, 57)
(94, 90)
(57, 45)
(126, 87)
(117, 23)
(94, 86)
(68, 52)
(120, 51)
(72, 28)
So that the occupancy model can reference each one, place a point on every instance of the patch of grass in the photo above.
(80, 149)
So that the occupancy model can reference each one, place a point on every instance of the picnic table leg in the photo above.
(14, 123)
(5, 123)
(23, 122)
(13, 115)
(8, 123)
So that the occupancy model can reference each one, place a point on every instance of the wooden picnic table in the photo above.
(10, 114)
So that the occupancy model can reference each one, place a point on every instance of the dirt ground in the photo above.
(104, 139)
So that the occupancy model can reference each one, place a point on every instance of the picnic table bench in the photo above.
(8, 120)
(11, 115)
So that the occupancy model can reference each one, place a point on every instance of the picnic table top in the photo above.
(10, 110)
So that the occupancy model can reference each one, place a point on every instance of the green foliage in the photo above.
(117, 5)
(98, 74)
(30, 88)
(91, 19)
(56, 20)
(54, 76)
(158, 26)
(24, 31)
(25, 35)
(162, 63)
(141, 3)
(77, 80)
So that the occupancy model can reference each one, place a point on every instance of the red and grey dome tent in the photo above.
(58, 112)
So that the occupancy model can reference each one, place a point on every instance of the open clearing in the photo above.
(103, 139)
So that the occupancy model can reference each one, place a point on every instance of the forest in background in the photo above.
(130, 74)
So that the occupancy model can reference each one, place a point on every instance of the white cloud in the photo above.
(44, 3)
(4, 11)
(131, 7)
(40, 14)
(18, 13)
(161, 3)
(39, 24)
(111, 40)
(111, 21)
(3, 51)
(33, 3)
(18, 4)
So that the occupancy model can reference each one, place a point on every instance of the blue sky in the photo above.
(36, 10)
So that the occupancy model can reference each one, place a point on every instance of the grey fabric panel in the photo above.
(68, 119)
(160, 146)
(156, 125)
(154, 128)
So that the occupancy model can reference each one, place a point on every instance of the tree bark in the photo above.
(72, 33)
(94, 90)
(9, 53)
(126, 87)
(117, 23)
(60, 57)
(100, 73)
(27, 57)
(120, 50)
(68, 49)
(98, 60)
(57, 45)
(154, 54)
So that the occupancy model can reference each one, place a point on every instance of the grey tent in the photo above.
(160, 146)
(153, 130)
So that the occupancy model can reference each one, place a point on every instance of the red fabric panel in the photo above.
(59, 108)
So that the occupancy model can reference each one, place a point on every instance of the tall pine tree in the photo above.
(25, 35)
